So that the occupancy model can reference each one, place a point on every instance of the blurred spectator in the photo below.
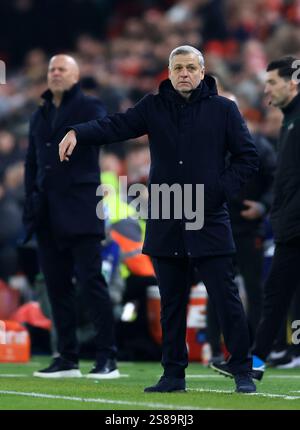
(138, 162)
(270, 127)
(14, 182)
(35, 65)
(110, 162)
(10, 229)
(9, 151)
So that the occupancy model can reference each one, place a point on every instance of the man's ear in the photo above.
(202, 73)
(294, 84)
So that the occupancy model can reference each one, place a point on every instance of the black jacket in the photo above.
(188, 144)
(285, 213)
(66, 191)
(259, 189)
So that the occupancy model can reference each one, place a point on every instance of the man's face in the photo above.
(278, 90)
(185, 72)
(62, 74)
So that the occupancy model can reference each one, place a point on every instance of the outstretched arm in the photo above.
(113, 128)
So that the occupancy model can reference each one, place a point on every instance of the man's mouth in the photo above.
(268, 99)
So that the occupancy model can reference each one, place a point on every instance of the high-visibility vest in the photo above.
(131, 254)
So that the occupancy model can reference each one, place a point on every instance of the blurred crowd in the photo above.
(122, 48)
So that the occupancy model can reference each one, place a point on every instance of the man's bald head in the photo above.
(63, 73)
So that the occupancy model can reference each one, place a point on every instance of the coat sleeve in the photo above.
(30, 163)
(244, 161)
(114, 128)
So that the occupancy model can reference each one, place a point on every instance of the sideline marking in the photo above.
(280, 376)
(11, 375)
(269, 395)
(283, 376)
(105, 401)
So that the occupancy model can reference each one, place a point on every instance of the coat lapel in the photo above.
(66, 109)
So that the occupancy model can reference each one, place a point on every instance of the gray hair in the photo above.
(186, 49)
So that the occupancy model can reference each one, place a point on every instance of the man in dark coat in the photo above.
(61, 208)
(190, 130)
(282, 88)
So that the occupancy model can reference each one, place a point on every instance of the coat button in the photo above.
(180, 162)
(48, 144)
(48, 167)
(175, 253)
(189, 253)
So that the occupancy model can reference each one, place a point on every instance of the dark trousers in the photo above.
(249, 261)
(81, 257)
(174, 279)
(282, 282)
(281, 343)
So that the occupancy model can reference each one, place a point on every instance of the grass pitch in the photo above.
(19, 390)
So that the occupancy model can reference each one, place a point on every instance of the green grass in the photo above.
(206, 390)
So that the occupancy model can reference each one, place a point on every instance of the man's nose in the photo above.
(183, 72)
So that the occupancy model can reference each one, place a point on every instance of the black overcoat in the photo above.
(62, 195)
(189, 141)
(285, 212)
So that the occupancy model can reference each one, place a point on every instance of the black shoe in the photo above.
(219, 358)
(60, 368)
(223, 369)
(106, 370)
(287, 360)
(277, 355)
(244, 383)
(167, 385)
(257, 374)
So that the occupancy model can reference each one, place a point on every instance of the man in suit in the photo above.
(190, 129)
(282, 90)
(61, 209)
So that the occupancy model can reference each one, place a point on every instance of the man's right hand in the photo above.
(255, 210)
(67, 145)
